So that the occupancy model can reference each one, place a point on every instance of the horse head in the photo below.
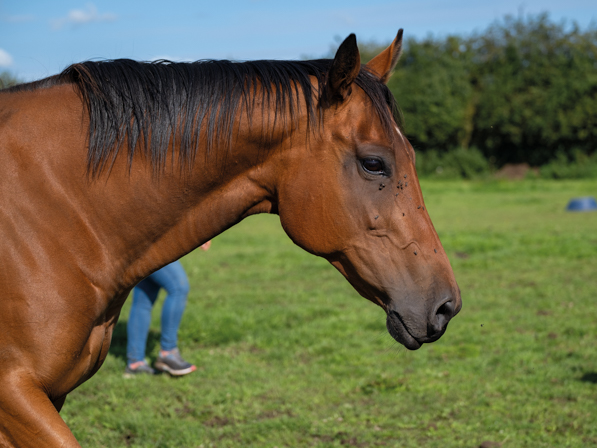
(356, 201)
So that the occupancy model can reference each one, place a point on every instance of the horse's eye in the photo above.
(373, 166)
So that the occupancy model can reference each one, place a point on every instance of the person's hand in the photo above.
(205, 246)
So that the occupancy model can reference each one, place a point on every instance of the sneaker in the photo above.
(138, 369)
(173, 364)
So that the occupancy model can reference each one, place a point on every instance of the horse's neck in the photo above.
(168, 215)
(119, 227)
(134, 221)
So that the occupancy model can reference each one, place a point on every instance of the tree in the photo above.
(538, 90)
(8, 80)
(432, 85)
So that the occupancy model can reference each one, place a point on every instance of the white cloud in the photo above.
(77, 17)
(5, 58)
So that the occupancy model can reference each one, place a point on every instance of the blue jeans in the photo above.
(174, 280)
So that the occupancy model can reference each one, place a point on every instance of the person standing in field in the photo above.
(173, 279)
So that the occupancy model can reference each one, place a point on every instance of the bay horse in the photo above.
(112, 169)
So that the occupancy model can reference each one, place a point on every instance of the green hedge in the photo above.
(470, 163)
(458, 163)
(580, 166)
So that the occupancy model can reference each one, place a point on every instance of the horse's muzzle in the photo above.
(436, 323)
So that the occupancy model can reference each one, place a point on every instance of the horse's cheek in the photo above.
(309, 218)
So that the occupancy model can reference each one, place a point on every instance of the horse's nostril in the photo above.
(444, 313)
(447, 309)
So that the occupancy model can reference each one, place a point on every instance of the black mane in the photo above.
(162, 103)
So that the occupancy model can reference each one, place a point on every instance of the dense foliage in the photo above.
(524, 90)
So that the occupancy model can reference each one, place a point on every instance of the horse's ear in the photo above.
(343, 72)
(383, 64)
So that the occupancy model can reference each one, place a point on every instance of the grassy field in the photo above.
(290, 356)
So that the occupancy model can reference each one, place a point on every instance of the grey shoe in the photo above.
(140, 370)
(173, 364)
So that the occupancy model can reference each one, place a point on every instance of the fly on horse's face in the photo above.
(357, 202)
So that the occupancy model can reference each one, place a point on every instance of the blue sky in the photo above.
(40, 38)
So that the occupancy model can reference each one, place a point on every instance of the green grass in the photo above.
(291, 356)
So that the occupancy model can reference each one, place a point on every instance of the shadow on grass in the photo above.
(590, 377)
(118, 346)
